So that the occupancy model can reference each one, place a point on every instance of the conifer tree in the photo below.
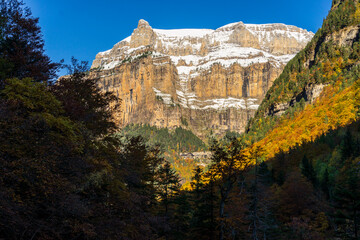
(307, 170)
(203, 222)
(168, 185)
(347, 200)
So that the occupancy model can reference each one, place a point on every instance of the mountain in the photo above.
(324, 70)
(197, 78)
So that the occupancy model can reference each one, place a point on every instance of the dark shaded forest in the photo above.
(66, 173)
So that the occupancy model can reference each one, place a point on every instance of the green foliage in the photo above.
(347, 200)
(184, 121)
(168, 184)
(40, 150)
(58, 180)
(331, 164)
(30, 110)
(173, 142)
(322, 61)
(180, 139)
(231, 135)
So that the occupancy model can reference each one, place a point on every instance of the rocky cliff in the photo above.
(199, 78)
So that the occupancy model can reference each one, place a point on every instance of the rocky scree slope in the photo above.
(198, 78)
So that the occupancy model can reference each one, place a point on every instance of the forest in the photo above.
(67, 171)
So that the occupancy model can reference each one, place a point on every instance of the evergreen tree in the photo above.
(325, 183)
(203, 222)
(347, 200)
(307, 170)
(180, 224)
(22, 51)
(265, 176)
(168, 185)
(347, 148)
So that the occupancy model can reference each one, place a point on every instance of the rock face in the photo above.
(198, 78)
(345, 37)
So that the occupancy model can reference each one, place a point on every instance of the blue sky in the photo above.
(83, 28)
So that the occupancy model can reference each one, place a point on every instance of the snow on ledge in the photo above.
(181, 33)
(163, 96)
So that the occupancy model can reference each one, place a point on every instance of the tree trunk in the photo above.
(222, 223)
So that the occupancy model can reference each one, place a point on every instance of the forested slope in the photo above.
(331, 57)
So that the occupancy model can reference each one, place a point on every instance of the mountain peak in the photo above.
(232, 25)
(143, 24)
(165, 75)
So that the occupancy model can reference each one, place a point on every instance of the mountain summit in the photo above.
(199, 78)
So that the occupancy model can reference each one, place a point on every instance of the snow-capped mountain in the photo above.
(202, 78)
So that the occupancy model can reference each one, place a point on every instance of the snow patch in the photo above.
(183, 33)
(163, 96)
(183, 46)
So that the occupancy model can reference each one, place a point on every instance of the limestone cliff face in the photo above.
(200, 78)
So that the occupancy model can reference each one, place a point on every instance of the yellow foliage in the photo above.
(357, 13)
(331, 111)
(186, 187)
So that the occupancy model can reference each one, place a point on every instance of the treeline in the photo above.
(179, 139)
(172, 143)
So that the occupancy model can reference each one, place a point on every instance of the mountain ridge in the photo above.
(215, 79)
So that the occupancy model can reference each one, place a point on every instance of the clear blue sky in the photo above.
(83, 28)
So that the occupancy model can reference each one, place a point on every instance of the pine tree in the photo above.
(168, 185)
